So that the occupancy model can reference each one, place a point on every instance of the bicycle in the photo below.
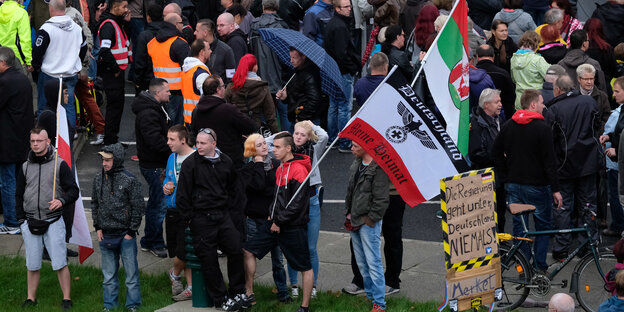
(519, 278)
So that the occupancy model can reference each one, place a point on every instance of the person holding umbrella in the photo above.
(306, 100)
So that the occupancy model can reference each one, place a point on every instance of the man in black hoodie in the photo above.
(212, 111)
(167, 52)
(111, 66)
(233, 36)
(151, 137)
(525, 161)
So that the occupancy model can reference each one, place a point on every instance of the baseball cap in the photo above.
(106, 155)
(556, 70)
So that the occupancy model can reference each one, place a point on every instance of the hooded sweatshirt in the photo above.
(518, 20)
(523, 151)
(237, 40)
(576, 57)
(200, 74)
(117, 203)
(611, 14)
(151, 127)
(60, 47)
(288, 178)
(613, 304)
(15, 30)
(528, 70)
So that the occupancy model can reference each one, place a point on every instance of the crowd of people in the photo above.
(227, 135)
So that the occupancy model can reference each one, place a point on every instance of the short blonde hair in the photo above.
(250, 145)
(309, 128)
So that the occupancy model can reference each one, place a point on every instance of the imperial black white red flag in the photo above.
(406, 140)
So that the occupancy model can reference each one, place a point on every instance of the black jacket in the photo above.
(399, 58)
(338, 44)
(575, 124)
(510, 49)
(409, 13)
(292, 11)
(237, 40)
(523, 152)
(16, 116)
(221, 60)
(483, 132)
(209, 9)
(289, 177)
(259, 187)
(269, 65)
(611, 15)
(151, 126)
(482, 11)
(553, 52)
(142, 63)
(106, 60)
(502, 81)
(305, 91)
(547, 93)
(227, 121)
(206, 185)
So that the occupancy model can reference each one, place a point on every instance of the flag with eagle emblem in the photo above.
(405, 138)
(446, 69)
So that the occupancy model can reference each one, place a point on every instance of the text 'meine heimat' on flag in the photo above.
(446, 69)
(80, 228)
(406, 140)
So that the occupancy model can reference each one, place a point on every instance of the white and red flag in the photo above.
(406, 140)
(80, 228)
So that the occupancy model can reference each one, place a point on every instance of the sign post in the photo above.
(473, 272)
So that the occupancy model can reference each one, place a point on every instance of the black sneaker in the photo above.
(29, 303)
(71, 253)
(229, 305)
(560, 256)
(302, 309)
(159, 252)
(244, 301)
(67, 304)
(286, 300)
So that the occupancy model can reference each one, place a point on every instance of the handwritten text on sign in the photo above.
(470, 215)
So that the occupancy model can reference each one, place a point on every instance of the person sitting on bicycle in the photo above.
(615, 303)
(610, 278)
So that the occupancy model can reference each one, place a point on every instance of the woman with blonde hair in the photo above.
(310, 140)
(258, 176)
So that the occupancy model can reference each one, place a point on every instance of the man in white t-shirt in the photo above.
(178, 141)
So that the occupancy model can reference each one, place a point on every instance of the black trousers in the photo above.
(115, 97)
(212, 230)
(392, 230)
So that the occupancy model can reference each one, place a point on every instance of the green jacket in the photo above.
(368, 196)
(528, 70)
(14, 24)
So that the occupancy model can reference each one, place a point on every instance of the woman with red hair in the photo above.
(600, 50)
(424, 24)
(553, 51)
(251, 94)
(570, 23)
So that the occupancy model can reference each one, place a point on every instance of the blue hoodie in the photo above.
(170, 176)
(612, 304)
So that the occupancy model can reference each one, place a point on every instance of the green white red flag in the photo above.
(446, 69)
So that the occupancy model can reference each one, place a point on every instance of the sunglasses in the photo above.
(209, 132)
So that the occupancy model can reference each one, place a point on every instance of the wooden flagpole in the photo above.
(58, 103)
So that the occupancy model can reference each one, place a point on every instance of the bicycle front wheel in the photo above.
(592, 289)
(516, 275)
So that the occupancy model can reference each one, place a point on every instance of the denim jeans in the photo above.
(282, 109)
(137, 25)
(110, 266)
(541, 198)
(7, 188)
(279, 274)
(70, 107)
(366, 247)
(155, 210)
(340, 112)
(314, 227)
(617, 214)
(93, 62)
(175, 110)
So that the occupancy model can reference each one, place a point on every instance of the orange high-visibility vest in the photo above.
(121, 50)
(162, 64)
(188, 91)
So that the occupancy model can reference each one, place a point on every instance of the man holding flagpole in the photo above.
(45, 185)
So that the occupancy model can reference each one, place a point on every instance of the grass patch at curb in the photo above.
(86, 292)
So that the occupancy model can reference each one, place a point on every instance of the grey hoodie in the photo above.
(58, 47)
(576, 57)
(116, 201)
(518, 20)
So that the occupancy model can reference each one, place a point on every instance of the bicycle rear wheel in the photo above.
(516, 275)
(592, 290)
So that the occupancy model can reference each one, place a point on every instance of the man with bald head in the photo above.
(230, 33)
(187, 30)
(561, 303)
(167, 51)
(575, 123)
(221, 62)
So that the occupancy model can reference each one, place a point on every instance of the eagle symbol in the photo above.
(412, 127)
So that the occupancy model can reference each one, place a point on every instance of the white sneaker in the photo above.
(353, 289)
(313, 292)
(294, 292)
(9, 229)
(99, 139)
